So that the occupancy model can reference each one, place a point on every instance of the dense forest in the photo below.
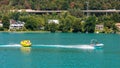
(61, 4)
(72, 21)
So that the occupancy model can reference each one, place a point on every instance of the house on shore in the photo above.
(1, 24)
(16, 25)
(99, 28)
(118, 26)
(53, 21)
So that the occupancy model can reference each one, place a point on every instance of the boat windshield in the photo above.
(93, 41)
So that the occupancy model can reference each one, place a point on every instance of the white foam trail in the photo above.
(11, 45)
(69, 46)
(86, 47)
(61, 46)
(55, 46)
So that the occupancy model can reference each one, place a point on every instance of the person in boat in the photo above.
(93, 42)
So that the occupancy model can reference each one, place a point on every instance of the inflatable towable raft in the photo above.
(26, 43)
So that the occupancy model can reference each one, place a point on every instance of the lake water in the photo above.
(59, 50)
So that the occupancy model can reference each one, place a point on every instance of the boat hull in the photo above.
(99, 45)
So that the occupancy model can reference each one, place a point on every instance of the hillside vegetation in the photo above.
(61, 4)
(72, 21)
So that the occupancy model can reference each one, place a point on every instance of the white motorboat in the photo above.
(95, 44)
(98, 45)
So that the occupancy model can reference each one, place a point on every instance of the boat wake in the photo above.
(67, 46)
(54, 46)
(11, 45)
(87, 47)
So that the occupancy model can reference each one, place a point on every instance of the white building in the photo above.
(99, 27)
(16, 24)
(53, 21)
(118, 25)
(1, 25)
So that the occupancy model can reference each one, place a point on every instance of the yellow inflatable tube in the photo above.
(26, 43)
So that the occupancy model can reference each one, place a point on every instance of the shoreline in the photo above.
(26, 31)
(50, 32)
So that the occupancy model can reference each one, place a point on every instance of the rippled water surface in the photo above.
(59, 50)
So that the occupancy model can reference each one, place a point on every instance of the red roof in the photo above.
(12, 21)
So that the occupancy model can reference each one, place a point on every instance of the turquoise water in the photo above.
(59, 50)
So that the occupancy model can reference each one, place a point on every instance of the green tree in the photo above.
(15, 15)
(31, 23)
(77, 26)
(1, 29)
(116, 17)
(53, 27)
(90, 24)
(66, 24)
(108, 24)
(5, 21)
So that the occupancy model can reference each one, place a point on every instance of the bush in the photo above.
(1, 29)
